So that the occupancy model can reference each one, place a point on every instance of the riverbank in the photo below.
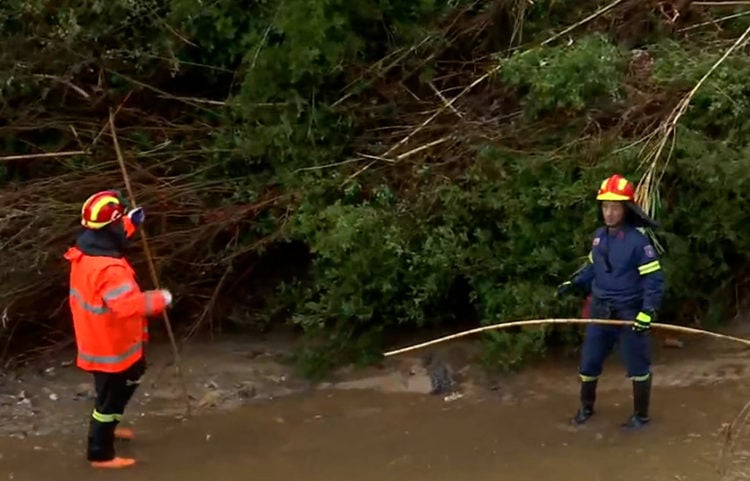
(253, 418)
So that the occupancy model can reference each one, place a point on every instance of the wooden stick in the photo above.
(538, 322)
(722, 4)
(152, 268)
(43, 155)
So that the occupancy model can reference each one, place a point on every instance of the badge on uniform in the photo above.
(649, 251)
(596, 241)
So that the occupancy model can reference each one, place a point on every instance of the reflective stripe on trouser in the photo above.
(113, 392)
(599, 341)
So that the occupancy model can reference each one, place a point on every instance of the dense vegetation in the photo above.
(354, 167)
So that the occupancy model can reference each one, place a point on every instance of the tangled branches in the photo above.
(194, 228)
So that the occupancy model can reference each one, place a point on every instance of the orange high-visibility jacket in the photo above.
(109, 311)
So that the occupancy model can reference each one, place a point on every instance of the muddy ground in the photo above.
(247, 400)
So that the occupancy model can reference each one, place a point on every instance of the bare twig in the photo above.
(209, 306)
(722, 4)
(336, 164)
(219, 103)
(714, 21)
(423, 147)
(733, 431)
(106, 124)
(45, 155)
(163, 93)
(444, 100)
(586, 20)
(66, 82)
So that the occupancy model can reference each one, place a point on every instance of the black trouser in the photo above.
(113, 392)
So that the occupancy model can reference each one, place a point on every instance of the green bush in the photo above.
(573, 78)
(718, 109)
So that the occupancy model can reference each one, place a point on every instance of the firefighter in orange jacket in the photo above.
(109, 318)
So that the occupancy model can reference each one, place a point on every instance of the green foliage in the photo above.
(566, 77)
(719, 108)
(706, 223)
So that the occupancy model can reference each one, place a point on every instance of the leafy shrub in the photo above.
(572, 77)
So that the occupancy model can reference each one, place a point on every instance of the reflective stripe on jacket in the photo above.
(109, 311)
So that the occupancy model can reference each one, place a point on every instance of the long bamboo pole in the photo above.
(539, 322)
(152, 268)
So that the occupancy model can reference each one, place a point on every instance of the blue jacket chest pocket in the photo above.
(615, 257)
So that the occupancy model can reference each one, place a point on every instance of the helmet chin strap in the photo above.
(116, 231)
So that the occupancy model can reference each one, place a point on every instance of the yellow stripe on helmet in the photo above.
(611, 196)
(95, 204)
(101, 203)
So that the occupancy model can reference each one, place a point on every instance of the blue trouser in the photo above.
(600, 339)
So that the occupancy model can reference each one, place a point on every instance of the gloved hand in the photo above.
(564, 288)
(137, 216)
(642, 321)
(167, 296)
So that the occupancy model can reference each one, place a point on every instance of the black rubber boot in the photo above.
(101, 441)
(588, 398)
(641, 400)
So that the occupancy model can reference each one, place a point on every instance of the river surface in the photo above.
(518, 432)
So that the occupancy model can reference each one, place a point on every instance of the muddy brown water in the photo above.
(519, 432)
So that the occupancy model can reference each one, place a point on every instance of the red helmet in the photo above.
(616, 188)
(102, 209)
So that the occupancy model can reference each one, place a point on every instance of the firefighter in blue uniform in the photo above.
(625, 281)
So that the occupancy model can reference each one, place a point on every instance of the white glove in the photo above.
(167, 296)
(137, 216)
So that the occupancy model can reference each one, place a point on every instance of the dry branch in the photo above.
(45, 155)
